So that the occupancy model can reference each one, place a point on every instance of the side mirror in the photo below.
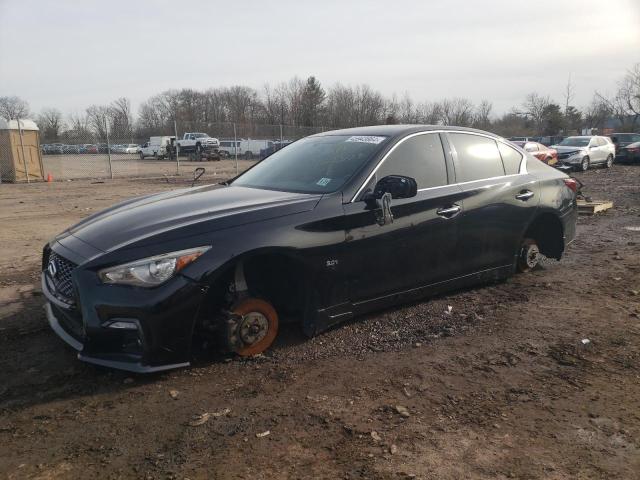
(396, 185)
(387, 188)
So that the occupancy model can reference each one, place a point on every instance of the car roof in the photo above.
(398, 130)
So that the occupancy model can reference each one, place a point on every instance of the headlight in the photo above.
(151, 271)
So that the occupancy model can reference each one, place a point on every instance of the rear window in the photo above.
(478, 157)
(511, 158)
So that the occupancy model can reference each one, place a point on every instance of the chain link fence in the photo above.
(85, 154)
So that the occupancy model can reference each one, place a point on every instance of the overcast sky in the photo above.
(70, 54)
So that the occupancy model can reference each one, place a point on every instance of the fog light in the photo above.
(123, 325)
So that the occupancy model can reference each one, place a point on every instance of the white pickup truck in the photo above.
(198, 145)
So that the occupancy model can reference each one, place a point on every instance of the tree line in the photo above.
(307, 103)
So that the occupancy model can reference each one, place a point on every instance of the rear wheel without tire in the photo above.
(529, 257)
(258, 328)
(609, 162)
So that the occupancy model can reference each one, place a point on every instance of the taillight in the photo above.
(572, 184)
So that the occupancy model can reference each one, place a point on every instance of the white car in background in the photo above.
(582, 152)
(131, 148)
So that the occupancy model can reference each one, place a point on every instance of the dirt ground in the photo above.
(534, 378)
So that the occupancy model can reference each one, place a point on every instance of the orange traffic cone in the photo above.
(49, 178)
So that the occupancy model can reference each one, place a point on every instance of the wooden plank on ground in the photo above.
(593, 207)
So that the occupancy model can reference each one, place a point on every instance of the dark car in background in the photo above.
(627, 147)
(331, 227)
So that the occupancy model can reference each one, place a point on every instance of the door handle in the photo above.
(524, 195)
(449, 212)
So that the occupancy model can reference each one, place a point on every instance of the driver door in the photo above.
(420, 246)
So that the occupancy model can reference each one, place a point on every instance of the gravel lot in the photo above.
(500, 385)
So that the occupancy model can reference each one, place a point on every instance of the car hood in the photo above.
(185, 212)
(562, 148)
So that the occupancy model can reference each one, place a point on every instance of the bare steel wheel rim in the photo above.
(254, 327)
(532, 256)
(585, 164)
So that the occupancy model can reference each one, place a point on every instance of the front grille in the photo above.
(62, 278)
(564, 155)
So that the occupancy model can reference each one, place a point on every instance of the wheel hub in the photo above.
(532, 256)
(253, 328)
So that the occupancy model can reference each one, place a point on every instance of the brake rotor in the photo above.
(257, 328)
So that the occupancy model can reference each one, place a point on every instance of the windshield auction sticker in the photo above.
(366, 139)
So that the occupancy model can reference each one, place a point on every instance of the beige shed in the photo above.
(20, 156)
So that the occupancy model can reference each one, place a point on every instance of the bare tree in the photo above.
(120, 118)
(535, 107)
(597, 112)
(78, 131)
(293, 93)
(456, 111)
(482, 115)
(568, 94)
(407, 111)
(275, 106)
(13, 107)
(429, 113)
(341, 103)
(241, 103)
(369, 106)
(97, 121)
(51, 124)
(569, 110)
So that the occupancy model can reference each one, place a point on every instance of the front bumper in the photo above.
(160, 321)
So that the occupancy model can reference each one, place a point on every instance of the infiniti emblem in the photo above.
(53, 268)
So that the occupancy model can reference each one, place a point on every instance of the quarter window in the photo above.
(511, 159)
(420, 157)
(478, 157)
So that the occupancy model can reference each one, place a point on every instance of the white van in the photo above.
(156, 147)
(251, 148)
(228, 149)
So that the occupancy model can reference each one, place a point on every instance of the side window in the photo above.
(478, 157)
(420, 157)
(602, 141)
(511, 158)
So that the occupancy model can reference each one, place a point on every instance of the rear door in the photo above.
(420, 246)
(595, 151)
(500, 199)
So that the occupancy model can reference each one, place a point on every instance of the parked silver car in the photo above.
(582, 152)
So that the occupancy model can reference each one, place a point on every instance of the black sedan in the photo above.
(627, 147)
(330, 227)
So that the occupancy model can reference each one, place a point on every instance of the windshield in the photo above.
(575, 142)
(313, 164)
